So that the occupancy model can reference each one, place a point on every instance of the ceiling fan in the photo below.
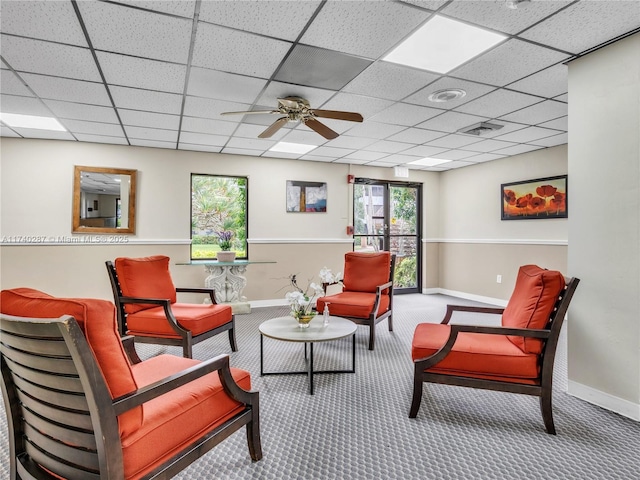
(297, 109)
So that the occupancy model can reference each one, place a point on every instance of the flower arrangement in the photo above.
(303, 301)
(224, 240)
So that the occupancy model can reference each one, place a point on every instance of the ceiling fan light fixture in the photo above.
(447, 95)
(287, 147)
(514, 4)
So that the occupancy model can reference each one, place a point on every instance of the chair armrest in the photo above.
(209, 291)
(130, 349)
(437, 357)
(466, 308)
(382, 287)
(166, 304)
(166, 385)
(152, 301)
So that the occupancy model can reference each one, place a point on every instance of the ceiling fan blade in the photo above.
(275, 126)
(338, 115)
(250, 112)
(321, 128)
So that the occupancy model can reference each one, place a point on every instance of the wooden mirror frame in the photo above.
(77, 195)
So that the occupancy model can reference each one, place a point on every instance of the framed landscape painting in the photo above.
(534, 199)
(306, 196)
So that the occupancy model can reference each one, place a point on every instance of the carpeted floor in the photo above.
(356, 426)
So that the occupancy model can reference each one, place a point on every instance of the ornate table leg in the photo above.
(228, 281)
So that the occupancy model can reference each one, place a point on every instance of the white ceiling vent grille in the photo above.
(480, 128)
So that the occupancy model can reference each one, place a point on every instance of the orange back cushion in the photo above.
(97, 319)
(363, 272)
(146, 277)
(531, 304)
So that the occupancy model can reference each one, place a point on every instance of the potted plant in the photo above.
(225, 244)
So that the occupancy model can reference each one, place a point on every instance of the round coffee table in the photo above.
(286, 329)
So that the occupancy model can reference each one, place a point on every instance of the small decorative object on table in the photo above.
(225, 244)
(303, 302)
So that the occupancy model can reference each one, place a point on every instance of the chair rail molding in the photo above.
(84, 240)
(500, 241)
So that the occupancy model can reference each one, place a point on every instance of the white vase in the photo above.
(226, 256)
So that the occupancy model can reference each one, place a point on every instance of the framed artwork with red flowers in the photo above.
(535, 199)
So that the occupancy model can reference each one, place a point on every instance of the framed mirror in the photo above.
(104, 200)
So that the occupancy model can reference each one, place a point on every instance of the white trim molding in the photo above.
(80, 240)
(299, 240)
(499, 241)
(467, 296)
(604, 400)
(276, 302)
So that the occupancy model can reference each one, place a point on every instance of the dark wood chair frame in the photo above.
(60, 413)
(186, 340)
(543, 384)
(373, 319)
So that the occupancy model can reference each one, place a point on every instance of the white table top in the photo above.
(287, 329)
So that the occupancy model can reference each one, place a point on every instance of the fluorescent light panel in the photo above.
(429, 162)
(442, 44)
(287, 147)
(16, 120)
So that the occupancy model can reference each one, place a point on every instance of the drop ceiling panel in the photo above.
(552, 141)
(44, 134)
(275, 90)
(483, 157)
(498, 103)
(561, 123)
(428, 4)
(224, 86)
(538, 113)
(142, 73)
(241, 151)
(373, 129)
(527, 134)
(549, 82)
(405, 114)
(401, 158)
(454, 154)
(324, 151)
(68, 90)
(365, 156)
(237, 52)
(472, 89)
(424, 151)
(253, 144)
(115, 28)
(146, 100)
(488, 145)
(354, 143)
(388, 147)
(203, 139)
(584, 25)
(148, 119)
(205, 125)
(183, 8)
(321, 68)
(508, 62)
(36, 56)
(10, 84)
(317, 158)
(451, 122)
(139, 142)
(81, 111)
(350, 161)
(275, 19)
(517, 149)
(364, 105)
(23, 105)
(416, 136)
(7, 132)
(495, 15)
(54, 21)
(562, 98)
(93, 128)
(390, 81)
(338, 126)
(143, 133)
(454, 141)
(210, 108)
(364, 28)
(252, 131)
(199, 148)
(101, 139)
(458, 164)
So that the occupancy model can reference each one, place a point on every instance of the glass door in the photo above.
(387, 217)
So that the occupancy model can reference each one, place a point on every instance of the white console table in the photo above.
(228, 281)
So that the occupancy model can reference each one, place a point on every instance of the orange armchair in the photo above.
(516, 357)
(367, 291)
(145, 298)
(77, 407)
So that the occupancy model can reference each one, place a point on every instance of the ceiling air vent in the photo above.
(481, 128)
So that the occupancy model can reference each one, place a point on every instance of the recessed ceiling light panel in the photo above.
(429, 162)
(447, 95)
(16, 120)
(442, 44)
(288, 147)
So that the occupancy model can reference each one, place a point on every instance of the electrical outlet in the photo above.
(499, 279)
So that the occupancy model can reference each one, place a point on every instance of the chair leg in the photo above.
(547, 411)
(253, 440)
(187, 347)
(390, 323)
(372, 335)
(232, 340)
(417, 393)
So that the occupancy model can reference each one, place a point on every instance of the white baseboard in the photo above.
(274, 302)
(602, 399)
(468, 296)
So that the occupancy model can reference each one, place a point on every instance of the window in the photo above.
(218, 204)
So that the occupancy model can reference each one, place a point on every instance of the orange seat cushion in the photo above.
(363, 272)
(97, 319)
(146, 277)
(531, 304)
(473, 354)
(173, 420)
(353, 304)
(198, 318)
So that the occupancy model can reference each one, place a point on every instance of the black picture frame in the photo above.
(535, 199)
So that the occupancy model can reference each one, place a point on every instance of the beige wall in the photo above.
(604, 229)
(475, 245)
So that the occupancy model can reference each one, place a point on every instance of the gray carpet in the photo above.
(356, 426)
